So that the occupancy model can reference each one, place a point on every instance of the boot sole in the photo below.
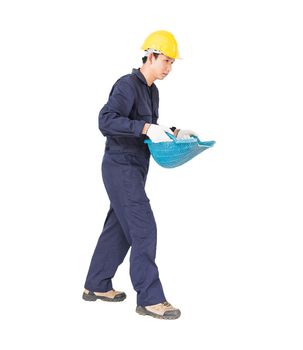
(90, 297)
(141, 310)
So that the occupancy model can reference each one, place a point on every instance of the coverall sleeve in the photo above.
(114, 116)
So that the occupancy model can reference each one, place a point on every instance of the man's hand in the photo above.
(157, 133)
(186, 134)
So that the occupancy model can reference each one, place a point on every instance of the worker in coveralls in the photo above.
(129, 116)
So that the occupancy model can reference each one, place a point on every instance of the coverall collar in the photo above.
(141, 77)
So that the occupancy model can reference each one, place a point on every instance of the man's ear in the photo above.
(150, 58)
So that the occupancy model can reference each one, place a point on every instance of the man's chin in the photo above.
(163, 76)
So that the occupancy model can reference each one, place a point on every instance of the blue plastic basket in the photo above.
(177, 152)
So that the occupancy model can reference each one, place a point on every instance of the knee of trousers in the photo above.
(141, 222)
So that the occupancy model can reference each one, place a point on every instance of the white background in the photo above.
(229, 221)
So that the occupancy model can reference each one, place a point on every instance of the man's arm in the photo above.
(113, 117)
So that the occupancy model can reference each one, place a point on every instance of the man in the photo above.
(129, 116)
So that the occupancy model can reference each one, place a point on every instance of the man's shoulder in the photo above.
(127, 79)
(127, 82)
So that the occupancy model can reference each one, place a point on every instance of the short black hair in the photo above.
(144, 59)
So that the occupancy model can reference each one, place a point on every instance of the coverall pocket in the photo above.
(134, 180)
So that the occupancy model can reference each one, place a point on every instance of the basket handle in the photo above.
(200, 143)
(171, 136)
(175, 139)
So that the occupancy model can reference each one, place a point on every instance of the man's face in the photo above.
(161, 66)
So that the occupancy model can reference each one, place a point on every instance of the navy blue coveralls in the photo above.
(130, 220)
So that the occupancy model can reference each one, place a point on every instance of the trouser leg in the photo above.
(124, 178)
(143, 269)
(109, 253)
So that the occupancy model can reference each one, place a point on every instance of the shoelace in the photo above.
(166, 304)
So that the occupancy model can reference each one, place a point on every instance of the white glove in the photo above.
(167, 129)
(157, 133)
(186, 134)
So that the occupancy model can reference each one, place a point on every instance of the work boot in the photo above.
(111, 295)
(163, 310)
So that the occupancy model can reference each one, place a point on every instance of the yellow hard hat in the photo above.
(163, 42)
